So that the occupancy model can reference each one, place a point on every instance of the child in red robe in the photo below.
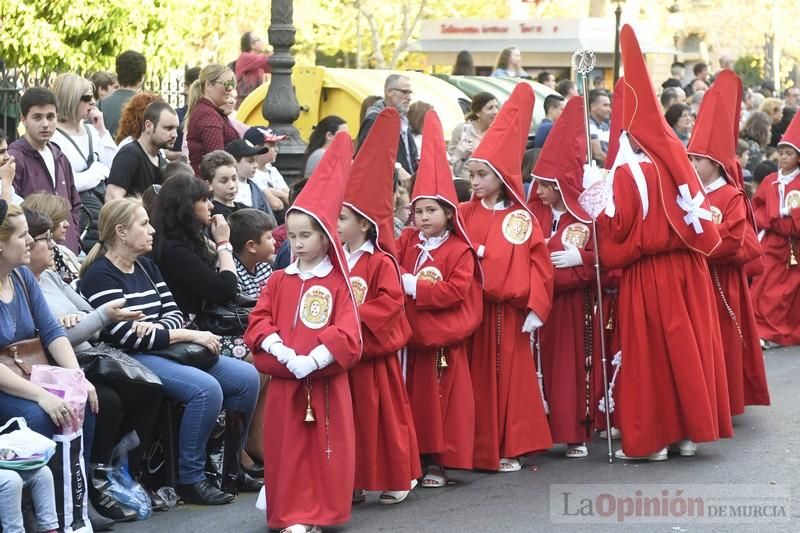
(654, 223)
(509, 414)
(566, 340)
(442, 281)
(387, 457)
(712, 150)
(304, 332)
(776, 291)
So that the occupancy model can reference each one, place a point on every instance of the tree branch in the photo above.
(408, 30)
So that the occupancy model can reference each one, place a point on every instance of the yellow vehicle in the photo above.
(325, 91)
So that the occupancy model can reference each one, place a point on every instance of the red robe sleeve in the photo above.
(342, 337)
(540, 297)
(731, 231)
(566, 279)
(260, 326)
(449, 292)
(382, 314)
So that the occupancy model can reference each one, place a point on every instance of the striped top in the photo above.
(144, 289)
(251, 283)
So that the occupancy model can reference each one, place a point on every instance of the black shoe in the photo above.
(203, 493)
(104, 503)
(99, 522)
(246, 483)
(256, 470)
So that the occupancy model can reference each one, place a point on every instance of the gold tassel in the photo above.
(442, 359)
(792, 256)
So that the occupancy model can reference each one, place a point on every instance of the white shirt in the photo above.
(87, 177)
(245, 195)
(426, 246)
(352, 258)
(271, 178)
(556, 218)
(49, 162)
(715, 185)
(322, 269)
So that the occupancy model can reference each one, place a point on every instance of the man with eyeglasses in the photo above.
(397, 94)
(131, 67)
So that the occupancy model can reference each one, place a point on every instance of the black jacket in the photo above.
(408, 159)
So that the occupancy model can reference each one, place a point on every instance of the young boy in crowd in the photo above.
(253, 249)
(218, 169)
(249, 194)
(266, 176)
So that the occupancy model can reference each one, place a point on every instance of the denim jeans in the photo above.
(230, 383)
(40, 482)
(39, 421)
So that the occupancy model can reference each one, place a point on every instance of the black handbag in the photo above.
(189, 354)
(106, 363)
(228, 320)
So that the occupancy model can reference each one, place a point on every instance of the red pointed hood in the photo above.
(617, 104)
(503, 146)
(792, 134)
(370, 187)
(323, 195)
(435, 177)
(715, 133)
(677, 179)
(563, 156)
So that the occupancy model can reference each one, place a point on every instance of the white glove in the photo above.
(570, 257)
(785, 211)
(321, 355)
(410, 285)
(591, 175)
(532, 323)
(301, 366)
(283, 353)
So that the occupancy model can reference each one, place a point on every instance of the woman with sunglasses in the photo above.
(207, 126)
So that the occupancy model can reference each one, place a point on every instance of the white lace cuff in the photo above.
(596, 198)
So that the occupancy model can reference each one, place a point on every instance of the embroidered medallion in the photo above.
(359, 286)
(792, 199)
(716, 215)
(576, 234)
(430, 274)
(517, 226)
(316, 306)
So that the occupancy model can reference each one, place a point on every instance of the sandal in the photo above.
(576, 451)
(510, 465)
(432, 480)
(359, 496)
(391, 497)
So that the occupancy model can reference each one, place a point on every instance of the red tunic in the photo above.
(744, 361)
(518, 276)
(776, 291)
(672, 383)
(610, 282)
(563, 338)
(387, 457)
(309, 468)
(442, 317)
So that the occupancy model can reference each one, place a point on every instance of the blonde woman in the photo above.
(81, 133)
(55, 207)
(207, 125)
(774, 108)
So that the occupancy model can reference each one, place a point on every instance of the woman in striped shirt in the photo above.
(116, 269)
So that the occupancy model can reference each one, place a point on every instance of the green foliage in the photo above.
(751, 69)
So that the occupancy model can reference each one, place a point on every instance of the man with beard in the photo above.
(138, 165)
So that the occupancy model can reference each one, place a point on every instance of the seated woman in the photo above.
(55, 207)
(24, 315)
(115, 268)
(199, 270)
(128, 406)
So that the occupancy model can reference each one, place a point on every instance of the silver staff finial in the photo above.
(583, 61)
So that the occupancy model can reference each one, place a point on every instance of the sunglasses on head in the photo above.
(87, 98)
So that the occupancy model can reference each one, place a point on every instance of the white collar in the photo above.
(716, 184)
(322, 269)
(786, 179)
(352, 258)
(427, 245)
(499, 206)
(556, 213)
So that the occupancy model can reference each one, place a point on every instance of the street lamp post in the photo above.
(280, 106)
(675, 22)
(617, 17)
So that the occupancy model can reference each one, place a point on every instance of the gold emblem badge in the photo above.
(359, 286)
(316, 306)
(576, 234)
(716, 214)
(430, 274)
(793, 200)
(517, 226)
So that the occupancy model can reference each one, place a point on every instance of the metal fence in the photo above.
(14, 82)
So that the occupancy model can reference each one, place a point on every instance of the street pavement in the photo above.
(762, 457)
